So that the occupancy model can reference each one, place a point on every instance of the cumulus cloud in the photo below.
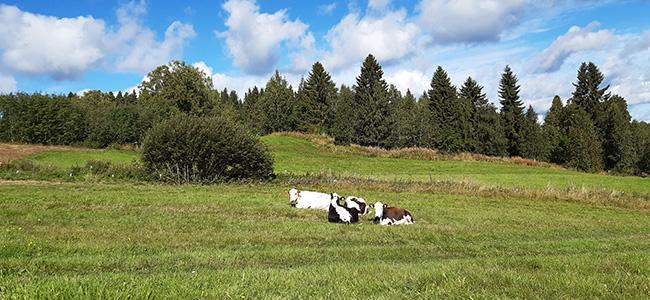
(388, 37)
(413, 80)
(378, 5)
(7, 84)
(254, 39)
(641, 44)
(41, 45)
(575, 40)
(65, 48)
(469, 21)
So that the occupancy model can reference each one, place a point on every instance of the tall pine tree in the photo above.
(278, 105)
(486, 132)
(588, 93)
(373, 110)
(533, 143)
(582, 146)
(614, 124)
(552, 131)
(345, 119)
(320, 98)
(405, 126)
(512, 111)
(450, 114)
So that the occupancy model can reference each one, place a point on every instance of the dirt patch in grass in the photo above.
(9, 152)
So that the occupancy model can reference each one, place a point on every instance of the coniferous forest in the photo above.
(590, 131)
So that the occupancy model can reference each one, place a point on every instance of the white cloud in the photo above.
(41, 45)
(378, 5)
(413, 80)
(388, 37)
(575, 40)
(203, 67)
(65, 48)
(254, 39)
(469, 21)
(634, 47)
(138, 49)
(327, 9)
(7, 84)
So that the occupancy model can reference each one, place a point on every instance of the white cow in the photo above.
(307, 199)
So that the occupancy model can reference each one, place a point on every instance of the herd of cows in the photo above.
(349, 211)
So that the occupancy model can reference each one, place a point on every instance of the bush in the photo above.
(192, 149)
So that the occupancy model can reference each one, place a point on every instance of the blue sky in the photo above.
(63, 46)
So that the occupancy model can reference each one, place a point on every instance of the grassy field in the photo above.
(67, 159)
(244, 241)
(123, 239)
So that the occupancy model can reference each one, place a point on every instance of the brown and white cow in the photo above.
(385, 215)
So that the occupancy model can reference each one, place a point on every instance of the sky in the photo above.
(77, 45)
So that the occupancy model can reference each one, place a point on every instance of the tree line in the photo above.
(590, 131)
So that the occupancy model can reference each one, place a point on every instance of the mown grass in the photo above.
(299, 157)
(76, 240)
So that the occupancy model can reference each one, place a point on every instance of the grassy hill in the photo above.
(121, 239)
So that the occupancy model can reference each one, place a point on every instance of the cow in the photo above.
(307, 199)
(358, 203)
(341, 214)
(385, 215)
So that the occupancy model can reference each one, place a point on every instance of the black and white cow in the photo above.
(358, 203)
(341, 213)
(385, 215)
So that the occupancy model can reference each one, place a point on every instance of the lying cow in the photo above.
(385, 215)
(358, 203)
(341, 214)
(307, 199)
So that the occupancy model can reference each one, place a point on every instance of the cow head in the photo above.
(293, 196)
(357, 203)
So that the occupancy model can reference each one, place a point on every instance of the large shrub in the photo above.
(194, 149)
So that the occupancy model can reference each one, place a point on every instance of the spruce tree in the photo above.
(320, 99)
(451, 114)
(252, 114)
(552, 131)
(406, 125)
(582, 146)
(486, 132)
(279, 105)
(614, 123)
(426, 122)
(345, 119)
(512, 111)
(588, 93)
(533, 143)
(373, 110)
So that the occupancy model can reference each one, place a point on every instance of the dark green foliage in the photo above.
(613, 120)
(372, 105)
(552, 131)
(405, 119)
(486, 132)
(345, 119)
(278, 105)
(41, 119)
(172, 89)
(451, 114)
(641, 144)
(319, 101)
(512, 111)
(581, 147)
(426, 121)
(252, 114)
(192, 149)
(588, 93)
(533, 143)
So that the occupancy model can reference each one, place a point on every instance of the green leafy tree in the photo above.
(172, 89)
(512, 111)
(345, 119)
(278, 105)
(320, 99)
(372, 105)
